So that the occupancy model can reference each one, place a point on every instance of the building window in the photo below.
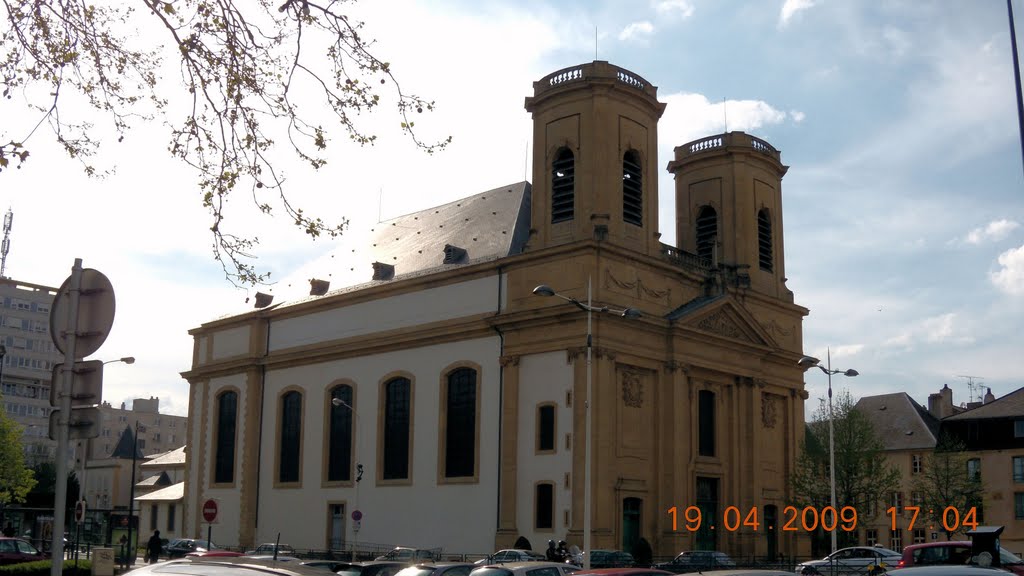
(227, 422)
(919, 536)
(897, 501)
(1018, 469)
(336, 526)
(632, 189)
(915, 463)
(153, 509)
(340, 437)
(896, 539)
(707, 502)
(460, 424)
(544, 506)
(974, 470)
(707, 232)
(871, 537)
(706, 422)
(289, 456)
(1018, 428)
(764, 240)
(1018, 505)
(171, 508)
(916, 498)
(563, 186)
(397, 427)
(546, 428)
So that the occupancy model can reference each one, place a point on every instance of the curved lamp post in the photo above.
(812, 362)
(589, 308)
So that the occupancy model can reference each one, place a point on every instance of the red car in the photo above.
(953, 552)
(16, 551)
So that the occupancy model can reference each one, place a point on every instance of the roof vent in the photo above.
(454, 254)
(382, 271)
(263, 300)
(318, 287)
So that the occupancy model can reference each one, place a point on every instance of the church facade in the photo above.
(423, 394)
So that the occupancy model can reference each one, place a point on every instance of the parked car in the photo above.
(226, 566)
(373, 568)
(512, 555)
(955, 552)
(605, 559)
(854, 560)
(696, 561)
(330, 565)
(950, 570)
(16, 551)
(403, 553)
(268, 549)
(437, 569)
(215, 553)
(525, 569)
(624, 572)
(179, 547)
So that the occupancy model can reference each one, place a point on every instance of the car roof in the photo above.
(520, 564)
(227, 566)
(938, 544)
(951, 570)
(625, 571)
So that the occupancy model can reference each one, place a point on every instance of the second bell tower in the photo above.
(595, 176)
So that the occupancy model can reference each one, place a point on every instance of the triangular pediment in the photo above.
(723, 317)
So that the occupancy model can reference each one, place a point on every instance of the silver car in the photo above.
(860, 560)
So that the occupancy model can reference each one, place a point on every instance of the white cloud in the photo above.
(1010, 278)
(994, 231)
(791, 7)
(797, 116)
(932, 330)
(681, 8)
(637, 31)
(691, 116)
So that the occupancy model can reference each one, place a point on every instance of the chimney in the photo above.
(940, 404)
(989, 397)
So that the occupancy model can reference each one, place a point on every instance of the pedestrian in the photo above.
(563, 551)
(124, 550)
(153, 547)
(552, 553)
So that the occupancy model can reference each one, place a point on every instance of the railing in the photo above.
(685, 259)
(728, 140)
(593, 70)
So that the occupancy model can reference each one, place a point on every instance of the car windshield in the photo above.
(491, 571)
(416, 571)
(1007, 557)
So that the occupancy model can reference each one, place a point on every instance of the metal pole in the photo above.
(1016, 76)
(63, 429)
(587, 440)
(831, 447)
(132, 550)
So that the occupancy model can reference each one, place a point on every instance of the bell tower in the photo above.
(729, 207)
(595, 134)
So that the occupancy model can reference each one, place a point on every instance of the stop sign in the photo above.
(210, 510)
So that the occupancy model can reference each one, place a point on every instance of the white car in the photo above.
(512, 555)
(525, 569)
(860, 560)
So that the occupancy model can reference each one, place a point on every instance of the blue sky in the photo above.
(903, 205)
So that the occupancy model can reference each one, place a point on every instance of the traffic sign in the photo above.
(357, 515)
(83, 423)
(210, 510)
(87, 388)
(95, 313)
(80, 511)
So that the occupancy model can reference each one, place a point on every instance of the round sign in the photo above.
(95, 313)
(80, 511)
(210, 510)
(357, 515)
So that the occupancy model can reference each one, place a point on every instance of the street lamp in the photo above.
(589, 308)
(812, 362)
(126, 360)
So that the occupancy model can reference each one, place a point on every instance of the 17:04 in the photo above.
(951, 519)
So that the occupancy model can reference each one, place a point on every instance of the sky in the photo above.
(903, 203)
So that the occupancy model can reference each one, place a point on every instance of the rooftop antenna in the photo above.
(725, 114)
(5, 246)
(973, 384)
(595, 42)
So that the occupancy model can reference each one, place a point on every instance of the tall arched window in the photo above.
(460, 424)
(632, 189)
(290, 455)
(764, 240)
(707, 232)
(227, 422)
(563, 186)
(339, 446)
(397, 426)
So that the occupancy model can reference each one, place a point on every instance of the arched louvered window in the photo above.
(632, 189)
(227, 421)
(397, 426)
(290, 455)
(339, 447)
(707, 231)
(563, 186)
(460, 424)
(764, 240)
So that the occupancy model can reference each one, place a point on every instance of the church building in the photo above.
(431, 387)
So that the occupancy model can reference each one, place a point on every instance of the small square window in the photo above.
(1018, 428)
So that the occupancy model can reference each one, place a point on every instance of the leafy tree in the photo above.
(257, 76)
(863, 476)
(946, 482)
(16, 480)
(43, 493)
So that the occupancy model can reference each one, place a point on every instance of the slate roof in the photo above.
(695, 304)
(172, 493)
(124, 446)
(169, 458)
(900, 422)
(488, 225)
(1009, 406)
(161, 479)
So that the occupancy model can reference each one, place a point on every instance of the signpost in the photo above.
(210, 515)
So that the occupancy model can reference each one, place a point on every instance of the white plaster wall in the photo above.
(543, 378)
(461, 518)
(406, 310)
(201, 357)
(230, 342)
